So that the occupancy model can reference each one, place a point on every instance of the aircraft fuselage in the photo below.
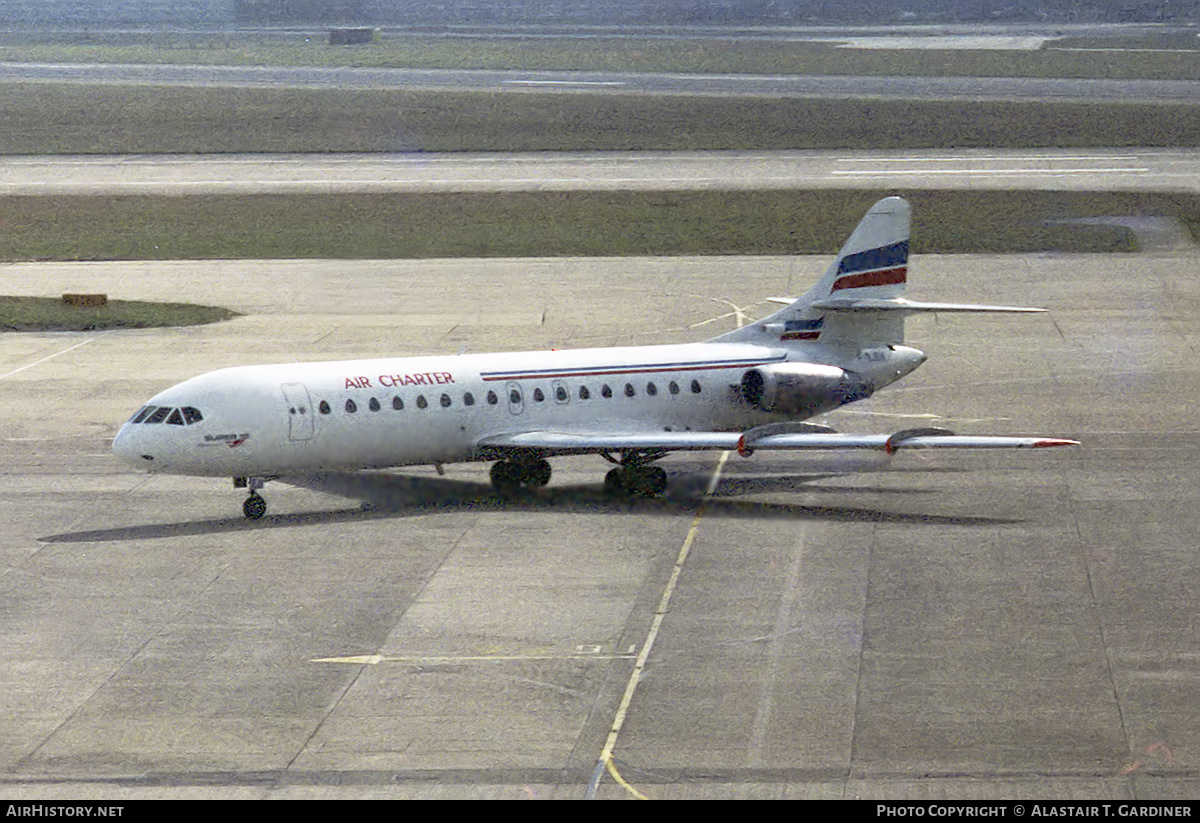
(295, 418)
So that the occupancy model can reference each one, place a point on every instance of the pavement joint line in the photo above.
(761, 728)
(605, 761)
(376, 659)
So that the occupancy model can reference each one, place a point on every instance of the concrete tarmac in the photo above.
(925, 626)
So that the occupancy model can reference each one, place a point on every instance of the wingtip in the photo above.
(1051, 443)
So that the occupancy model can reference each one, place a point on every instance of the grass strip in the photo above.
(537, 224)
(51, 314)
(71, 118)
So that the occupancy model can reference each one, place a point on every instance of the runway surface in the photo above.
(930, 626)
(582, 82)
(1072, 169)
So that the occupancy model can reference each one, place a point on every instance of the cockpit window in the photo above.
(159, 415)
(176, 417)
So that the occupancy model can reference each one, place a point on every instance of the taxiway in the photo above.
(930, 626)
(584, 82)
(1070, 169)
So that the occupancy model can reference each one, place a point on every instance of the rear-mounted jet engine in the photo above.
(795, 388)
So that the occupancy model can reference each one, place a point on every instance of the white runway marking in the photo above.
(989, 158)
(983, 172)
(563, 83)
(51, 357)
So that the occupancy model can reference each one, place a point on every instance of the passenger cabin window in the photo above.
(323, 407)
(468, 399)
(492, 398)
(538, 396)
(695, 387)
(584, 394)
(629, 390)
(397, 403)
(351, 406)
(673, 387)
(421, 401)
(606, 391)
(651, 389)
(560, 394)
(446, 401)
(373, 405)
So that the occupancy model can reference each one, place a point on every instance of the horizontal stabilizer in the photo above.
(865, 304)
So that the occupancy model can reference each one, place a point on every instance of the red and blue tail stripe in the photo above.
(884, 266)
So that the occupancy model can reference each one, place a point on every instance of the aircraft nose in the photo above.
(127, 449)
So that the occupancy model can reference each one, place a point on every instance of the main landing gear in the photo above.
(633, 475)
(641, 481)
(509, 475)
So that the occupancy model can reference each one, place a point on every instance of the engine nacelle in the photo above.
(802, 388)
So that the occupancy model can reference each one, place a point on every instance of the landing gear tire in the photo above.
(509, 475)
(641, 481)
(614, 481)
(254, 507)
(537, 473)
(650, 481)
(505, 478)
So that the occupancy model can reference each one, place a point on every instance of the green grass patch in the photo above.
(536, 224)
(69, 118)
(51, 314)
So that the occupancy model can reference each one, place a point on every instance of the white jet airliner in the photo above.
(745, 390)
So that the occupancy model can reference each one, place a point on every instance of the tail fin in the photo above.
(858, 302)
(872, 264)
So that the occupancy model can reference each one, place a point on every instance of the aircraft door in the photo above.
(516, 398)
(301, 427)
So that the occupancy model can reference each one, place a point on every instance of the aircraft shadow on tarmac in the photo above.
(396, 495)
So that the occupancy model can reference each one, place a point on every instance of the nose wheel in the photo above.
(254, 507)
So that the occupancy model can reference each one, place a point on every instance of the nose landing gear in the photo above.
(254, 506)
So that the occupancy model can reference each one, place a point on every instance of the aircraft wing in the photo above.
(745, 443)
